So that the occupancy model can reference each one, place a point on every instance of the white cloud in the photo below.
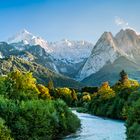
(121, 22)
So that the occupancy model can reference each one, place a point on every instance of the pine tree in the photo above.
(124, 79)
(123, 76)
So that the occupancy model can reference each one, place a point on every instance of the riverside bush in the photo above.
(27, 110)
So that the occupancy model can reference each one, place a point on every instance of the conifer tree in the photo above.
(124, 79)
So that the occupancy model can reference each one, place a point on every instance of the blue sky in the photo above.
(72, 19)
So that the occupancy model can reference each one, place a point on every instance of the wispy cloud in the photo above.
(121, 22)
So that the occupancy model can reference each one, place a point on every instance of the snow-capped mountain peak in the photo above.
(71, 51)
(67, 56)
(28, 38)
(23, 35)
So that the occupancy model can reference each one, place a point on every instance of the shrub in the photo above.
(5, 133)
(133, 122)
(38, 119)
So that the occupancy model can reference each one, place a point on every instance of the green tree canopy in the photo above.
(21, 85)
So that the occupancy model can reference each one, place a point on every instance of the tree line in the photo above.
(120, 101)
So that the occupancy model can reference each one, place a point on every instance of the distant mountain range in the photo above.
(33, 59)
(66, 57)
(79, 60)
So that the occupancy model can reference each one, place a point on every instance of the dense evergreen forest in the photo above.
(33, 111)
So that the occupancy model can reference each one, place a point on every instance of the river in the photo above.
(97, 128)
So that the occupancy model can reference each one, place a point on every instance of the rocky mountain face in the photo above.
(129, 41)
(104, 51)
(107, 51)
(80, 60)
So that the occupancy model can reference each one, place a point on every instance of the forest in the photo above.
(120, 101)
(30, 110)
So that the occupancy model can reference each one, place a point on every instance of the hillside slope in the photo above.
(110, 72)
(42, 74)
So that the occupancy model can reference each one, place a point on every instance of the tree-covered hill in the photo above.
(110, 72)
(42, 74)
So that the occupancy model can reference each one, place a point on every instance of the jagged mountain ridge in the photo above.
(109, 48)
(129, 41)
(68, 56)
(64, 50)
(26, 38)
